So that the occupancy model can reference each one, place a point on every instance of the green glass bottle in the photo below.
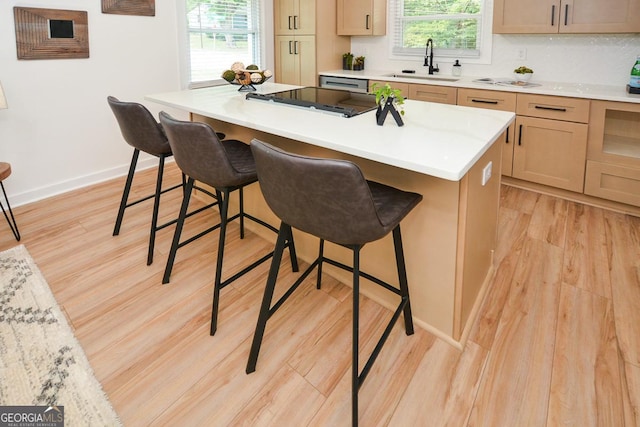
(634, 81)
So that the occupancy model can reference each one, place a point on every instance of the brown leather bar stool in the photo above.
(226, 166)
(331, 199)
(5, 171)
(143, 133)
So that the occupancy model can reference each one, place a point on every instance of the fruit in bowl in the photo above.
(246, 76)
(522, 74)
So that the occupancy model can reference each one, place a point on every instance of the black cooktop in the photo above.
(340, 102)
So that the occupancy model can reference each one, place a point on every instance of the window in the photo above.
(456, 27)
(220, 32)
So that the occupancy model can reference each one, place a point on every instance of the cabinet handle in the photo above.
(295, 48)
(507, 139)
(290, 49)
(553, 15)
(290, 23)
(484, 101)
(566, 14)
(295, 22)
(520, 135)
(540, 107)
(367, 22)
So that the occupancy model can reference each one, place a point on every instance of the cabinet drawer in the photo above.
(491, 99)
(402, 87)
(553, 107)
(613, 182)
(429, 93)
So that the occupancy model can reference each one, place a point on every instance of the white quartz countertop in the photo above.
(437, 139)
(575, 90)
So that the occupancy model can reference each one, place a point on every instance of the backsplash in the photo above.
(593, 59)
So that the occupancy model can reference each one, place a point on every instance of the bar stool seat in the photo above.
(226, 166)
(331, 199)
(5, 172)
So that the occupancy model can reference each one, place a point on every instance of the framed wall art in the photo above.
(51, 33)
(129, 7)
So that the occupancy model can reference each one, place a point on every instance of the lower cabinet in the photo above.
(613, 157)
(494, 100)
(550, 152)
(420, 92)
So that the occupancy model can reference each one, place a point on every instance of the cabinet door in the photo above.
(526, 16)
(286, 70)
(296, 60)
(550, 152)
(294, 17)
(402, 87)
(355, 17)
(597, 16)
(283, 12)
(305, 53)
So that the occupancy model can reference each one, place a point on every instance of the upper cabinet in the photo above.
(566, 16)
(306, 40)
(362, 17)
(295, 17)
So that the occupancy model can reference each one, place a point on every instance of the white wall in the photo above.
(59, 133)
(595, 59)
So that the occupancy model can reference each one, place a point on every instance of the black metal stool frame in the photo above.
(12, 223)
(267, 310)
(222, 196)
(124, 202)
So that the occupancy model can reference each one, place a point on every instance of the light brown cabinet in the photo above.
(433, 93)
(295, 60)
(551, 141)
(362, 17)
(613, 156)
(494, 100)
(566, 16)
(295, 17)
(420, 92)
(306, 40)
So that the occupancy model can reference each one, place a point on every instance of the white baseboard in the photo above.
(79, 182)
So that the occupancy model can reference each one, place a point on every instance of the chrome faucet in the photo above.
(428, 59)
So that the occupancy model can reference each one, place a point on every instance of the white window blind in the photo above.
(454, 25)
(221, 32)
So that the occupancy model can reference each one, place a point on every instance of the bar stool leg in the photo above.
(265, 307)
(125, 192)
(14, 226)
(402, 279)
(320, 259)
(355, 370)
(223, 198)
(241, 203)
(176, 235)
(156, 208)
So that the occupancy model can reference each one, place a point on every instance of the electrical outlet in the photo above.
(486, 173)
(521, 53)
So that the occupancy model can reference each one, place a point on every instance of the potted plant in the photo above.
(347, 61)
(388, 100)
(522, 74)
(358, 63)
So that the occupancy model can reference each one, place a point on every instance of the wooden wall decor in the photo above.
(51, 33)
(129, 7)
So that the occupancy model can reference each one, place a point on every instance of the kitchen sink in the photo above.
(423, 77)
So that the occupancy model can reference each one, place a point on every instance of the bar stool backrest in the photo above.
(139, 128)
(328, 198)
(200, 154)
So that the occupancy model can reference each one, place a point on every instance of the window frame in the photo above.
(184, 46)
(483, 55)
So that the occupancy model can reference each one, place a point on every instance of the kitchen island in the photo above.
(446, 153)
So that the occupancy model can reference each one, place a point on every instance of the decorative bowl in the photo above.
(246, 79)
(522, 78)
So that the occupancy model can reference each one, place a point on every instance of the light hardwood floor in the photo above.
(557, 341)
